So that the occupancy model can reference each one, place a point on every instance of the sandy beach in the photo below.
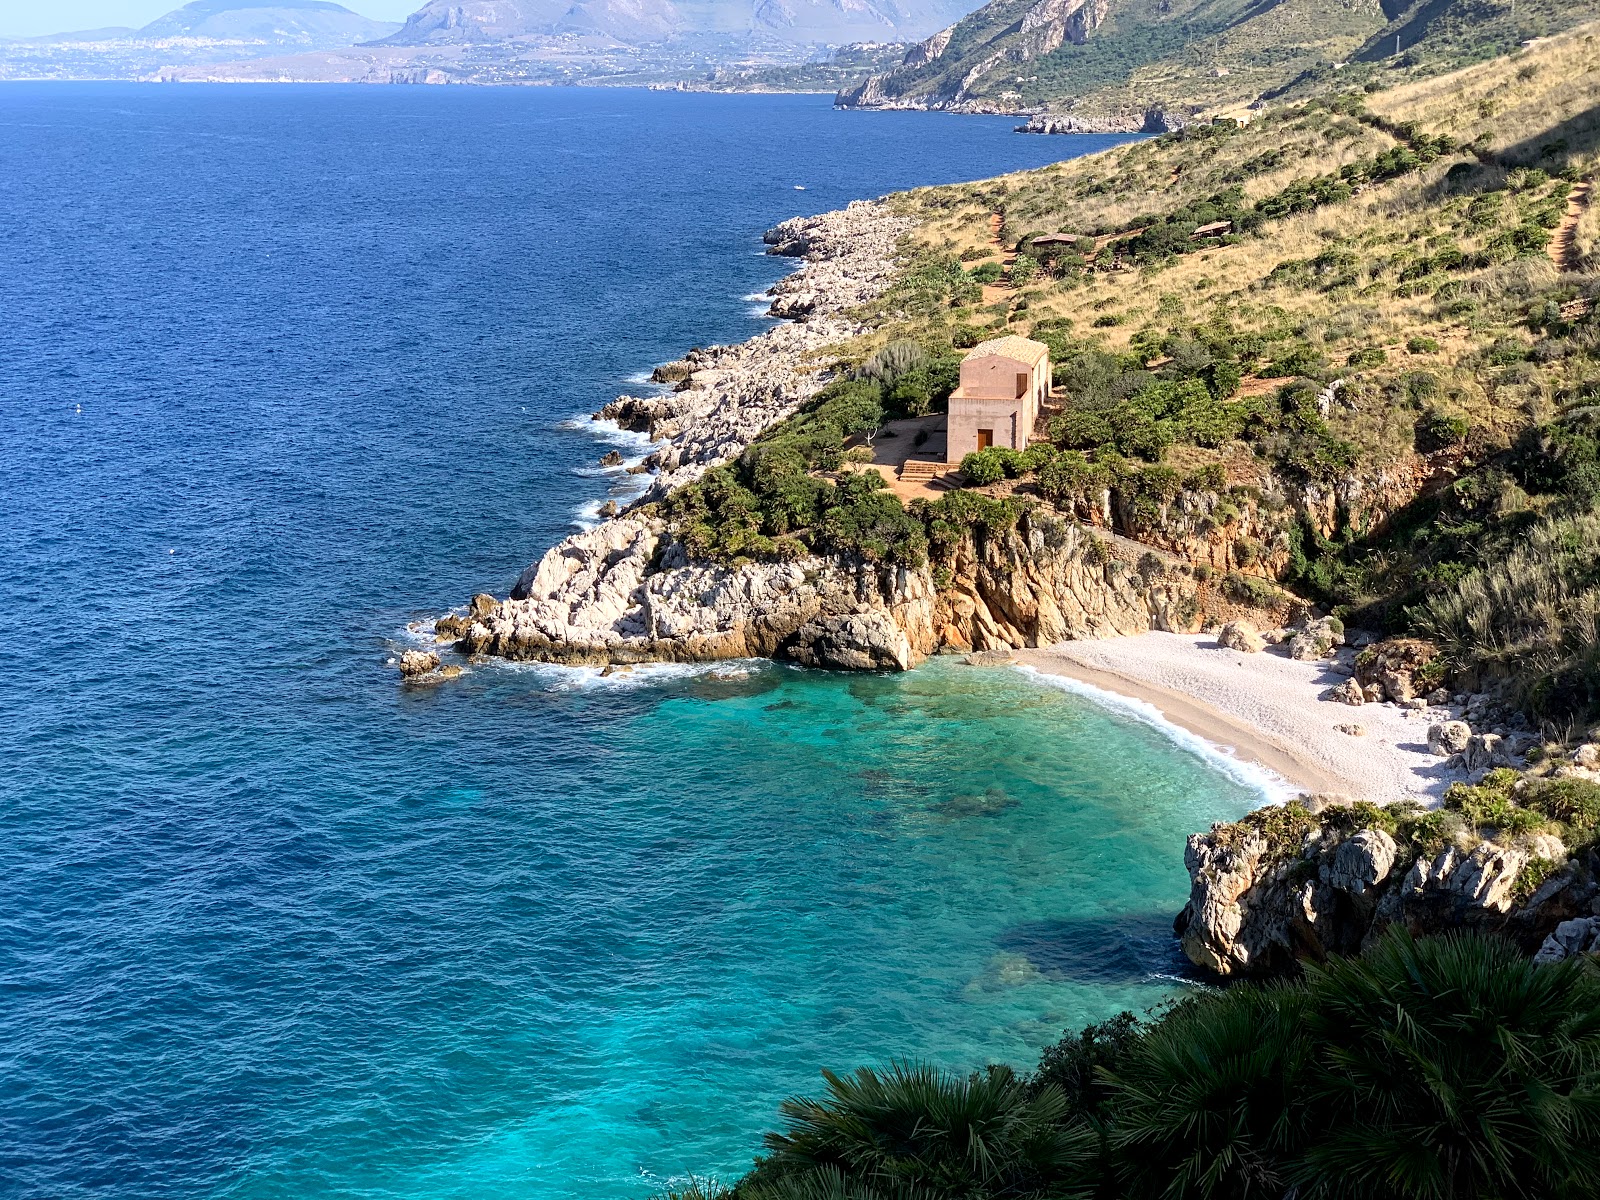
(1262, 709)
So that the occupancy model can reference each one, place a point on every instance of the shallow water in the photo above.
(284, 369)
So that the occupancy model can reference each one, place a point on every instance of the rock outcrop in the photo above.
(627, 592)
(1287, 884)
(1150, 120)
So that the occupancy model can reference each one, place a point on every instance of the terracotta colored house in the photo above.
(1003, 384)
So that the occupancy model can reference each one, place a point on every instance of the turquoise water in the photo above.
(282, 370)
(954, 865)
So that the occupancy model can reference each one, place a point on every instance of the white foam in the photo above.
(628, 439)
(587, 515)
(757, 298)
(1272, 786)
(562, 678)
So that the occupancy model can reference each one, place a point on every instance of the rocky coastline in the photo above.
(627, 592)
(1513, 854)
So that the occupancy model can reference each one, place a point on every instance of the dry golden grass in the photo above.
(1535, 107)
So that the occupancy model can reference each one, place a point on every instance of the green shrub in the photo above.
(1422, 345)
(989, 272)
(1439, 430)
(1081, 430)
(1251, 590)
(1070, 477)
(1447, 1068)
(983, 467)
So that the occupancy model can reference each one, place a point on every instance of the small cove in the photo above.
(289, 368)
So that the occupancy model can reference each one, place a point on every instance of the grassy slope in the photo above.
(1432, 296)
(1217, 55)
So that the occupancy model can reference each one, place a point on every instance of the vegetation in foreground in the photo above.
(1447, 1068)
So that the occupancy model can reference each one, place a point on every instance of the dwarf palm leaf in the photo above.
(912, 1130)
(1452, 1069)
(1202, 1102)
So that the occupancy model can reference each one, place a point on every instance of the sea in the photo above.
(284, 370)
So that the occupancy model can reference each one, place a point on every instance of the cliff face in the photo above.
(1285, 885)
(626, 592)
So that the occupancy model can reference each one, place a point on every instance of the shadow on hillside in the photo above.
(1576, 138)
(1100, 950)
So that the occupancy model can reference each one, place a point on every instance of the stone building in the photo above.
(1004, 382)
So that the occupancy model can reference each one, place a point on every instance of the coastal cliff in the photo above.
(1514, 855)
(628, 592)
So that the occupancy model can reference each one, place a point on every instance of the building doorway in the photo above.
(985, 438)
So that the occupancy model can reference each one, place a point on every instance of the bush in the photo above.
(989, 272)
(1439, 430)
(1080, 430)
(983, 467)
(1447, 1068)
(1422, 345)
(1070, 477)
(1251, 590)
(1532, 614)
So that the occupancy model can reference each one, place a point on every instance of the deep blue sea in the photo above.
(284, 369)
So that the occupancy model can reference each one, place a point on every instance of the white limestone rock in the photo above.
(1448, 737)
(1242, 636)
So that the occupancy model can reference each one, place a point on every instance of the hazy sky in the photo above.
(27, 18)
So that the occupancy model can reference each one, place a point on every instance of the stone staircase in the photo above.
(932, 473)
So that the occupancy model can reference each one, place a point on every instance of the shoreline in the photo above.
(1262, 710)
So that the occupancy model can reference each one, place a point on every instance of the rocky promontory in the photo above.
(1513, 854)
(627, 592)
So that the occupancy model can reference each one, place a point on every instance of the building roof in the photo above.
(1011, 346)
(1050, 239)
(1214, 227)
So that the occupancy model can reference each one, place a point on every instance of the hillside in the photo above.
(1106, 64)
(1389, 359)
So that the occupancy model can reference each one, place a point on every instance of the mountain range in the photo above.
(278, 22)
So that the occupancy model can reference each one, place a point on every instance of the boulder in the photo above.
(1241, 635)
(1348, 692)
(417, 662)
(1581, 935)
(1393, 665)
(1359, 864)
(1396, 685)
(1587, 756)
(611, 458)
(990, 658)
(1448, 737)
(1483, 751)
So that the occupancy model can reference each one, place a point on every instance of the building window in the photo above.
(1022, 383)
(985, 438)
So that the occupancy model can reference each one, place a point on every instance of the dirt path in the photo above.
(1563, 245)
(993, 293)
